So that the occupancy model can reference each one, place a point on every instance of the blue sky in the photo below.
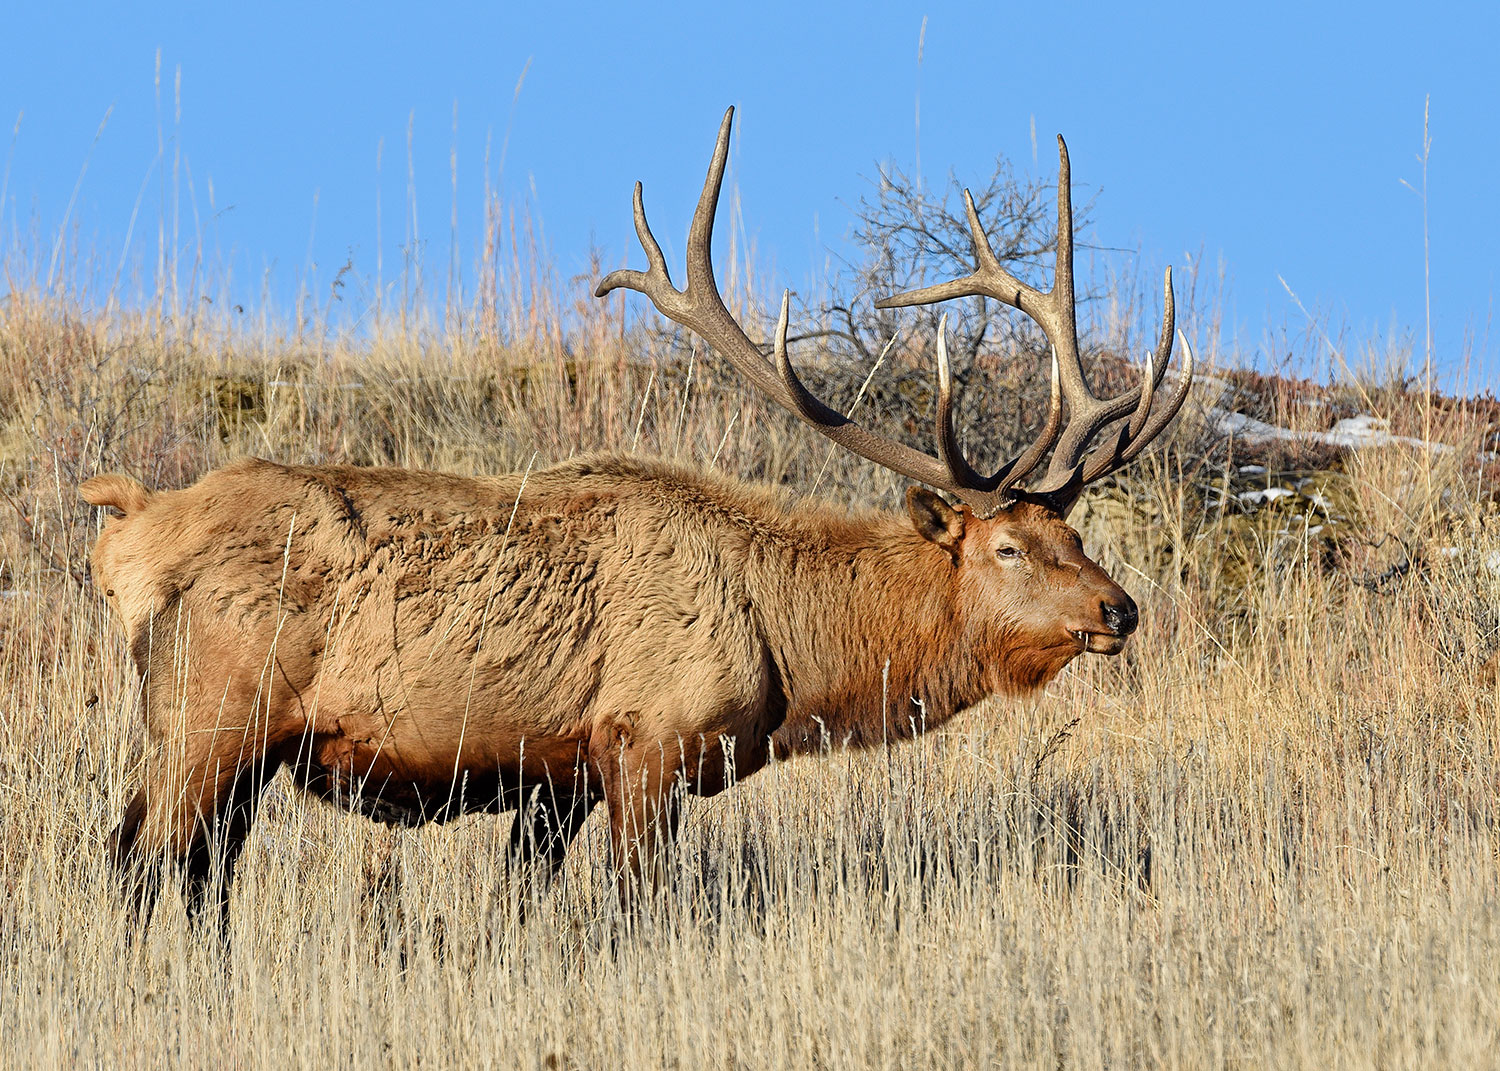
(1271, 139)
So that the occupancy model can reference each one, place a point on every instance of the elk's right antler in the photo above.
(700, 307)
(1055, 313)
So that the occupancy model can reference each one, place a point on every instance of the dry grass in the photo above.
(1264, 836)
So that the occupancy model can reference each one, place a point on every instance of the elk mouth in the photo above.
(1105, 643)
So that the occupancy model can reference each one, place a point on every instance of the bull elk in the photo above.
(417, 646)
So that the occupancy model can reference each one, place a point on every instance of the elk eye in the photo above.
(1007, 552)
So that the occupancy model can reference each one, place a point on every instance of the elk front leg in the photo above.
(643, 794)
(544, 827)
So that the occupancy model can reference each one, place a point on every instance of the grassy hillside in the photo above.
(1264, 835)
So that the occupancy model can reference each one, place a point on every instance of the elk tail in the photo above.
(124, 493)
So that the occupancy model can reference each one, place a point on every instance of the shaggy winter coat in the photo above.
(417, 645)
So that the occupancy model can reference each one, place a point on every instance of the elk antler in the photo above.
(700, 307)
(1054, 311)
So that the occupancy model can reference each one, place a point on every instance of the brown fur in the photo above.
(419, 645)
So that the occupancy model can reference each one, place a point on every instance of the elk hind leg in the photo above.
(219, 839)
(190, 817)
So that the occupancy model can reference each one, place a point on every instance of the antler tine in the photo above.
(804, 403)
(1148, 392)
(1168, 326)
(989, 278)
(646, 282)
(1131, 441)
(648, 240)
(700, 308)
(1061, 304)
(1021, 467)
(952, 456)
(700, 265)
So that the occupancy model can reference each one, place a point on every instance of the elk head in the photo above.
(1023, 574)
(1008, 535)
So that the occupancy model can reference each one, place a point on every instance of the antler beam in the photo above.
(700, 307)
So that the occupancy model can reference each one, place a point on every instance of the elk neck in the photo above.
(866, 634)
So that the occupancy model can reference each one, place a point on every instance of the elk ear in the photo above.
(934, 519)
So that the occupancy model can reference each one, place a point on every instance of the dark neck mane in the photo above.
(867, 639)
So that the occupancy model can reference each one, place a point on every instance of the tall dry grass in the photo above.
(1264, 836)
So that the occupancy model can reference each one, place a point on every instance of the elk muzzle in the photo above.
(1119, 617)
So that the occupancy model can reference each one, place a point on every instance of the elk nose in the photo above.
(1120, 619)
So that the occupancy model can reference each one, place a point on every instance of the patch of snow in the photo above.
(1299, 533)
(1350, 433)
(1270, 494)
(1490, 563)
(1212, 386)
(1228, 422)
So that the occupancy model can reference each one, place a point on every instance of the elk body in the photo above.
(417, 646)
